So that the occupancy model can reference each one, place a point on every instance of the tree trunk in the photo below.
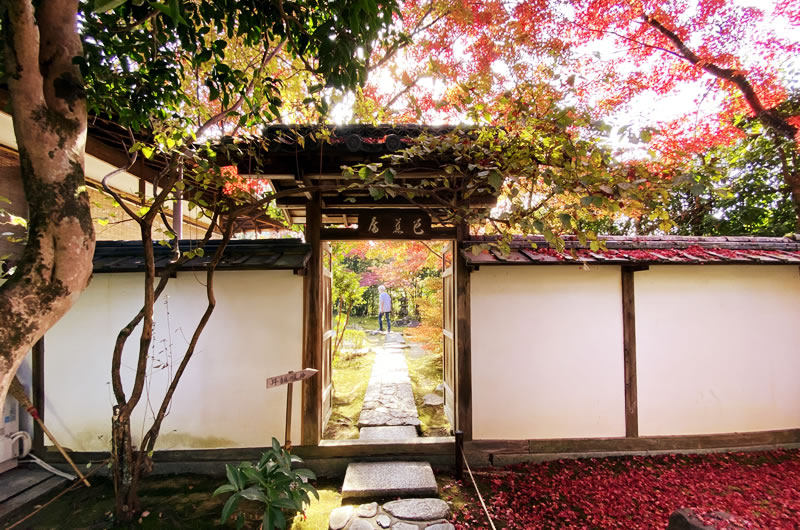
(793, 180)
(125, 478)
(48, 104)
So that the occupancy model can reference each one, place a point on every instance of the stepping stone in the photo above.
(383, 520)
(433, 399)
(385, 479)
(340, 517)
(418, 509)
(368, 510)
(361, 524)
(403, 432)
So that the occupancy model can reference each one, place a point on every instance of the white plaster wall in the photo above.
(255, 332)
(547, 357)
(717, 349)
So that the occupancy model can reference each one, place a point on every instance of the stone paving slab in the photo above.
(389, 399)
(380, 479)
(430, 514)
(400, 432)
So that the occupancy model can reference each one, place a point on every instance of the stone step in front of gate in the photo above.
(387, 434)
(388, 479)
(403, 514)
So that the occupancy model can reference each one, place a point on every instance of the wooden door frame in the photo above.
(311, 408)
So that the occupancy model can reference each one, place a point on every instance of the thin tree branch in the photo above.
(768, 117)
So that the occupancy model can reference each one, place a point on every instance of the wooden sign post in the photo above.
(284, 379)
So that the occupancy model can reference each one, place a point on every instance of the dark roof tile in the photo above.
(257, 254)
(640, 250)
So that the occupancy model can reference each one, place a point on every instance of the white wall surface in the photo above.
(547, 358)
(718, 349)
(255, 332)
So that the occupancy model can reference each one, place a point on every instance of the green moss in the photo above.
(426, 374)
(69, 87)
(56, 123)
(49, 204)
(351, 374)
(319, 511)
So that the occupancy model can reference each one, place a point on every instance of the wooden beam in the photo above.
(421, 447)
(463, 363)
(37, 389)
(642, 443)
(312, 327)
(350, 234)
(629, 353)
(338, 200)
(327, 449)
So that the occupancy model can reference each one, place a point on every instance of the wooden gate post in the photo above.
(463, 338)
(312, 326)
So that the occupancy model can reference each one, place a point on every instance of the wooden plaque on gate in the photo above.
(394, 224)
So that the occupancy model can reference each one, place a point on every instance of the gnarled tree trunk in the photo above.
(48, 104)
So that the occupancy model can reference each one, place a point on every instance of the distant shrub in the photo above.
(354, 339)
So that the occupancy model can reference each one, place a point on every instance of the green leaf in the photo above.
(283, 502)
(230, 505)
(305, 473)
(225, 488)
(234, 476)
(495, 180)
(103, 7)
(254, 493)
(279, 520)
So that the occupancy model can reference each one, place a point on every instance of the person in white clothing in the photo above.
(384, 308)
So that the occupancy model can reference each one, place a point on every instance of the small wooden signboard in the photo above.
(289, 378)
(394, 224)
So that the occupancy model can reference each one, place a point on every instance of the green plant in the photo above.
(272, 481)
(354, 339)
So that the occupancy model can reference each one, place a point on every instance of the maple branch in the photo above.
(629, 39)
(268, 55)
(431, 250)
(768, 117)
(405, 90)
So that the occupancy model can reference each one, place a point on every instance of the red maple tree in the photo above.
(602, 57)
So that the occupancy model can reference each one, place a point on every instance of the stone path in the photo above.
(389, 413)
(389, 399)
(404, 514)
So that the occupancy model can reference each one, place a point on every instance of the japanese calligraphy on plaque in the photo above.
(394, 224)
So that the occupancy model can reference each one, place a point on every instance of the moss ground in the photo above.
(351, 373)
(426, 375)
(174, 501)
